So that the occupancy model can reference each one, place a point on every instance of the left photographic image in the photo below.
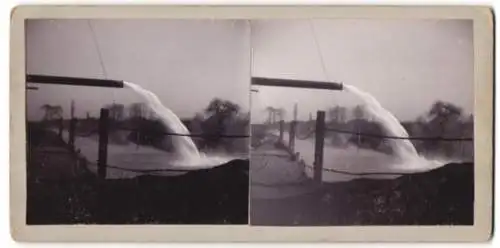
(137, 121)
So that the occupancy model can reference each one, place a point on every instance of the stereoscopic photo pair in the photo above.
(265, 122)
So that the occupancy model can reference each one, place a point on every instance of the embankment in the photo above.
(444, 196)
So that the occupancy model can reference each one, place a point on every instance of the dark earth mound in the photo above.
(444, 196)
(212, 196)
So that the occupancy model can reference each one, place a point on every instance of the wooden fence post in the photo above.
(103, 143)
(72, 127)
(282, 130)
(319, 145)
(291, 138)
(61, 127)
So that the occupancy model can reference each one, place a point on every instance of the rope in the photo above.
(322, 60)
(285, 184)
(397, 137)
(384, 136)
(176, 134)
(270, 155)
(94, 37)
(144, 171)
(88, 134)
(308, 135)
(147, 170)
(195, 135)
(363, 173)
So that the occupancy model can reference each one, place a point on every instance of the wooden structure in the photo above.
(104, 115)
(320, 118)
(72, 127)
(319, 145)
(103, 143)
(61, 127)
(296, 83)
(291, 137)
(73, 81)
(282, 130)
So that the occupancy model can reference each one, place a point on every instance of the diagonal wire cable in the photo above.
(318, 49)
(99, 54)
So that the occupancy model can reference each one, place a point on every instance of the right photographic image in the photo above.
(362, 122)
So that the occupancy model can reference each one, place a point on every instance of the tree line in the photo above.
(144, 127)
(442, 120)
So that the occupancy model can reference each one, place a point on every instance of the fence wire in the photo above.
(143, 171)
(398, 137)
(363, 173)
(313, 130)
(308, 135)
(199, 135)
(202, 135)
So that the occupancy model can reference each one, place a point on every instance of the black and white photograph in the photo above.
(137, 121)
(251, 124)
(362, 122)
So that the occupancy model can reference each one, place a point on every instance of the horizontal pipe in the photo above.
(296, 83)
(75, 81)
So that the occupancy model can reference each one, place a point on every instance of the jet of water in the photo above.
(190, 156)
(403, 148)
(184, 145)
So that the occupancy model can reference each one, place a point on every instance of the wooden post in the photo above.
(71, 130)
(295, 111)
(293, 128)
(72, 113)
(319, 145)
(291, 138)
(72, 127)
(61, 127)
(282, 130)
(103, 143)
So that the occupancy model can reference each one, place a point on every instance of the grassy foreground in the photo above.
(60, 192)
(444, 196)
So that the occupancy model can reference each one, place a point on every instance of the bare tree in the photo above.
(116, 111)
(358, 112)
(136, 110)
(51, 112)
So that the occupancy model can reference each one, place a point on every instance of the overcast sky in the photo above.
(185, 62)
(406, 64)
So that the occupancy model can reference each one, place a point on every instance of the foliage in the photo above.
(363, 126)
(221, 117)
(137, 110)
(446, 120)
(116, 111)
(359, 112)
(337, 114)
(442, 120)
(148, 132)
